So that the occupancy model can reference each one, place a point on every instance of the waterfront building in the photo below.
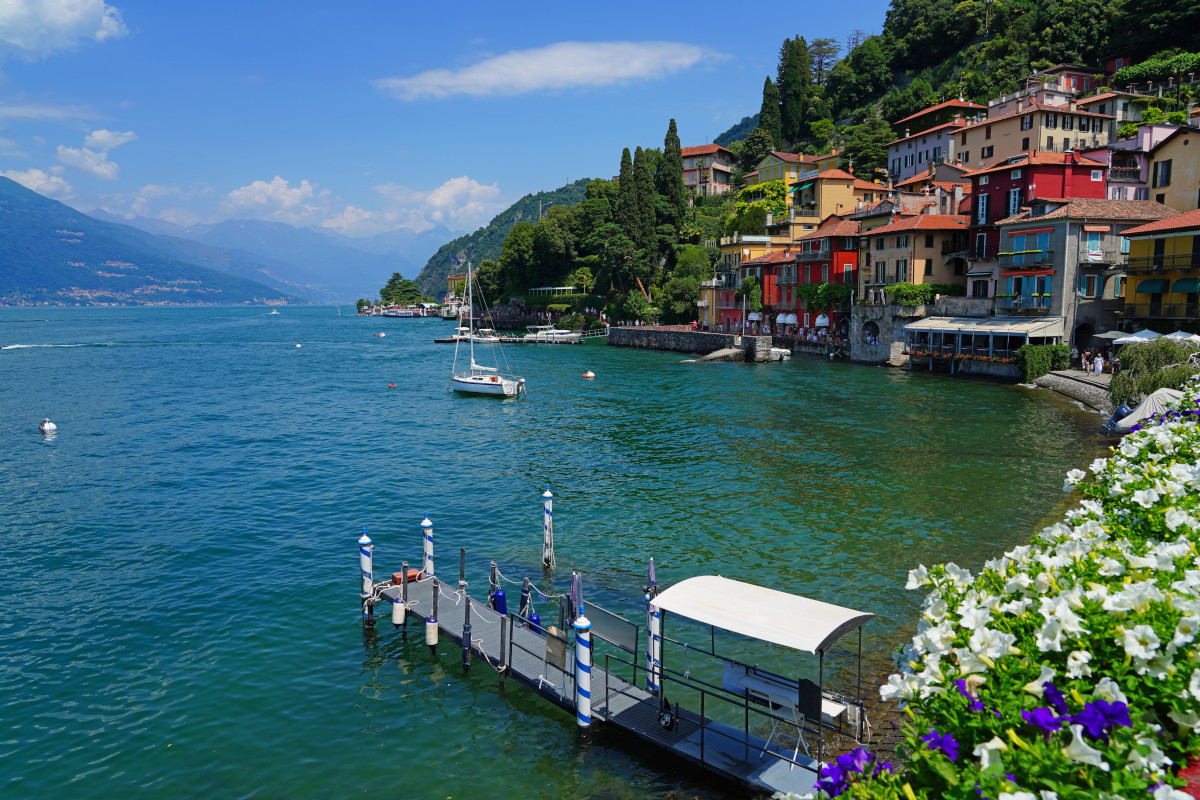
(936, 174)
(827, 255)
(875, 215)
(1064, 260)
(1001, 190)
(919, 249)
(1164, 270)
(1175, 169)
(1125, 108)
(914, 153)
(708, 169)
(1027, 127)
(778, 166)
(1055, 86)
(772, 270)
(735, 250)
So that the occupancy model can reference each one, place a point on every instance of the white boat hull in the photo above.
(496, 385)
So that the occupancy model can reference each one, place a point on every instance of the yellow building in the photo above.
(1174, 176)
(1164, 269)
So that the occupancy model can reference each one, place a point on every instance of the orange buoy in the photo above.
(589, 374)
(391, 386)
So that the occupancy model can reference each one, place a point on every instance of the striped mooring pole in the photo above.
(547, 528)
(427, 547)
(653, 635)
(583, 672)
(365, 550)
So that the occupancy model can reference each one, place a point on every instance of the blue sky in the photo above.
(369, 115)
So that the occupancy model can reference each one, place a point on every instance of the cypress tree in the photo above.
(768, 117)
(627, 200)
(669, 180)
(647, 202)
(791, 92)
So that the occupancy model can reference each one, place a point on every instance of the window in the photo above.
(1014, 202)
(1161, 199)
(1160, 174)
(1025, 143)
(966, 156)
(987, 132)
(1093, 241)
(1050, 121)
(987, 151)
(981, 245)
(1027, 122)
(1141, 193)
(895, 166)
(929, 266)
(979, 288)
(1097, 125)
(963, 140)
(1049, 142)
(929, 240)
(1066, 143)
(902, 270)
(1097, 175)
(982, 215)
(824, 273)
(847, 242)
(983, 179)
(847, 273)
(879, 243)
(937, 153)
(1068, 123)
(1016, 173)
(958, 266)
(1124, 245)
(902, 241)
(1119, 286)
(880, 271)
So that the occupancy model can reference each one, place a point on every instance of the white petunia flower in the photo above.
(1175, 517)
(1098, 465)
(1107, 689)
(991, 643)
(1141, 642)
(1043, 582)
(1017, 796)
(1075, 476)
(1018, 582)
(1015, 606)
(1145, 497)
(960, 576)
(1111, 567)
(1152, 760)
(1168, 792)
(1186, 719)
(1194, 685)
(974, 618)
(899, 687)
(1185, 631)
(969, 662)
(1077, 664)
(988, 753)
(917, 577)
(1049, 638)
(1080, 752)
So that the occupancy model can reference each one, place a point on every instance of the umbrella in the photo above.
(1183, 336)
(1138, 338)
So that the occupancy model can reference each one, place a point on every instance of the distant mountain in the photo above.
(738, 132)
(51, 253)
(488, 241)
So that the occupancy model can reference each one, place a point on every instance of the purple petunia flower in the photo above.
(935, 741)
(1099, 717)
(832, 781)
(973, 703)
(1055, 697)
(881, 768)
(857, 760)
(1043, 719)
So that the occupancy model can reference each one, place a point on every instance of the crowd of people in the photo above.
(1095, 361)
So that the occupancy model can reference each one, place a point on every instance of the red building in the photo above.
(771, 270)
(827, 255)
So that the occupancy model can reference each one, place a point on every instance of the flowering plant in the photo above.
(1068, 667)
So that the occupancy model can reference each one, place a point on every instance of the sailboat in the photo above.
(478, 379)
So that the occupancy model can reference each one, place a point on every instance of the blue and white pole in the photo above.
(365, 551)
(653, 635)
(398, 607)
(583, 661)
(547, 528)
(427, 548)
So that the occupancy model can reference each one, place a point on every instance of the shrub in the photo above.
(1036, 360)
(909, 294)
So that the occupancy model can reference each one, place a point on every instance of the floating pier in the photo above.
(762, 730)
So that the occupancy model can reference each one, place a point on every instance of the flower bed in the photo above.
(1069, 667)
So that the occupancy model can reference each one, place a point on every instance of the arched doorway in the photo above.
(870, 332)
(1084, 332)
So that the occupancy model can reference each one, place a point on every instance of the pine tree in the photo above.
(669, 180)
(647, 202)
(823, 53)
(768, 117)
(627, 199)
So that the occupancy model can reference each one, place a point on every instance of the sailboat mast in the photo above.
(471, 316)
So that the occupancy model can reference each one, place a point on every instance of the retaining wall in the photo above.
(757, 348)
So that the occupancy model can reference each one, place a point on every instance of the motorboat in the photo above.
(548, 333)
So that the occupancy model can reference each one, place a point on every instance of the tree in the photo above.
(758, 145)
(768, 117)
(361, 303)
(1144, 27)
(553, 245)
(647, 216)
(751, 222)
(400, 291)
(823, 54)
(669, 179)
(866, 145)
(794, 87)
(516, 257)
(628, 213)
(488, 279)
(751, 289)
(1160, 364)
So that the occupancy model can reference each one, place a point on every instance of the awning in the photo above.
(1186, 285)
(1012, 273)
(997, 326)
(979, 273)
(822, 321)
(1155, 286)
(1097, 228)
(791, 320)
(801, 187)
(754, 316)
(1109, 335)
(781, 319)
(760, 613)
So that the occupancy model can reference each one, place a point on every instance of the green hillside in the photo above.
(487, 242)
(52, 254)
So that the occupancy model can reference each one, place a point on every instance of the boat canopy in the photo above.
(760, 613)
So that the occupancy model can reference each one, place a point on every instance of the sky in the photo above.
(368, 116)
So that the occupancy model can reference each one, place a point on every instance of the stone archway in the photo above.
(1084, 332)
(870, 332)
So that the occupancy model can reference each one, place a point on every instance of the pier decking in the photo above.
(546, 664)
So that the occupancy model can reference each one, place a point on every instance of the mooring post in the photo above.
(427, 547)
(431, 623)
(583, 665)
(502, 659)
(462, 587)
(498, 598)
(523, 611)
(365, 551)
(404, 597)
(547, 529)
(653, 634)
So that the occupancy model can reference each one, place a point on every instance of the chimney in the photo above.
(958, 196)
(906, 134)
(1071, 104)
(1020, 105)
(791, 213)
(860, 205)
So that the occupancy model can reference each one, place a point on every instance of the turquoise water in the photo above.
(180, 604)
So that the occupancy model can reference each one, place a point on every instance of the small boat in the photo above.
(479, 379)
(274, 311)
(548, 333)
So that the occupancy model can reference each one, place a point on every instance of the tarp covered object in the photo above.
(1155, 403)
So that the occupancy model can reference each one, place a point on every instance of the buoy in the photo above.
(589, 374)
(391, 386)
(500, 602)
(382, 335)
(297, 345)
(47, 426)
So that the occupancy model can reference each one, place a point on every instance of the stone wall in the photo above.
(673, 340)
(889, 346)
(947, 306)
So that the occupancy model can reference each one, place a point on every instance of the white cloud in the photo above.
(39, 112)
(34, 29)
(278, 194)
(557, 66)
(41, 182)
(105, 140)
(89, 161)
(460, 203)
(9, 147)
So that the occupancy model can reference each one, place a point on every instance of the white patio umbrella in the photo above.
(1138, 338)
(1183, 336)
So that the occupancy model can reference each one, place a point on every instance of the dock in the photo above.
(543, 660)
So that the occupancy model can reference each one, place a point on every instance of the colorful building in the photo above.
(920, 249)
(1032, 126)
(1163, 268)
(1175, 170)
(827, 255)
(936, 115)
(1128, 162)
(708, 169)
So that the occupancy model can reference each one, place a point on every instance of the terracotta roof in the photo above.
(1090, 208)
(1183, 222)
(833, 225)
(949, 186)
(774, 257)
(1036, 158)
(964, 207)
(859, 183)
(926, 222)
(839, 174)
(1096, 98)
(793, 158)
(939, 107)
(1031, 107)
(957, 123)
(704, 149)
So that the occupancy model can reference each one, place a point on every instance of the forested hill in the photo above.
(487, 242)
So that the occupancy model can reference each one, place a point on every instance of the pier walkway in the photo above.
(545, 662)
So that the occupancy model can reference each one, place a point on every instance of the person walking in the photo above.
(1098, 365)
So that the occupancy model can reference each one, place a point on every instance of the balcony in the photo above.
(1030, 304)
(1027, 259)
(818, 255)
(1162, 310)
(1125, 174)
(955, 245)
(1104, 255)
(1173, 261)
(1107, 304)
(785, 280)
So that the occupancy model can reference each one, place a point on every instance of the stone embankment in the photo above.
(687, 340)
(1091, 390)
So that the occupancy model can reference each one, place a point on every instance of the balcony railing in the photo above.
(1028, 259)
(954, 246)
(1162, 310)
(1037, 302)
(818, 255)
(785, 280)
(1125, 174)
(1104, 255)
(1173, 261)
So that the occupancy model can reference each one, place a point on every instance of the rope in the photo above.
(687, 672)
(542, 596)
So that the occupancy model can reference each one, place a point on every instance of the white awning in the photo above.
(754, 316)
(760, 613)
(822, 321)
(791, 320)
(1000, 326)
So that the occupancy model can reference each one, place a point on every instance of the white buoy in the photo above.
(297, 345)
(547, 528)
(589, 374)
(382, 335)
(431, 623)
(47, 426)
(398, 611)
(427, 547)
